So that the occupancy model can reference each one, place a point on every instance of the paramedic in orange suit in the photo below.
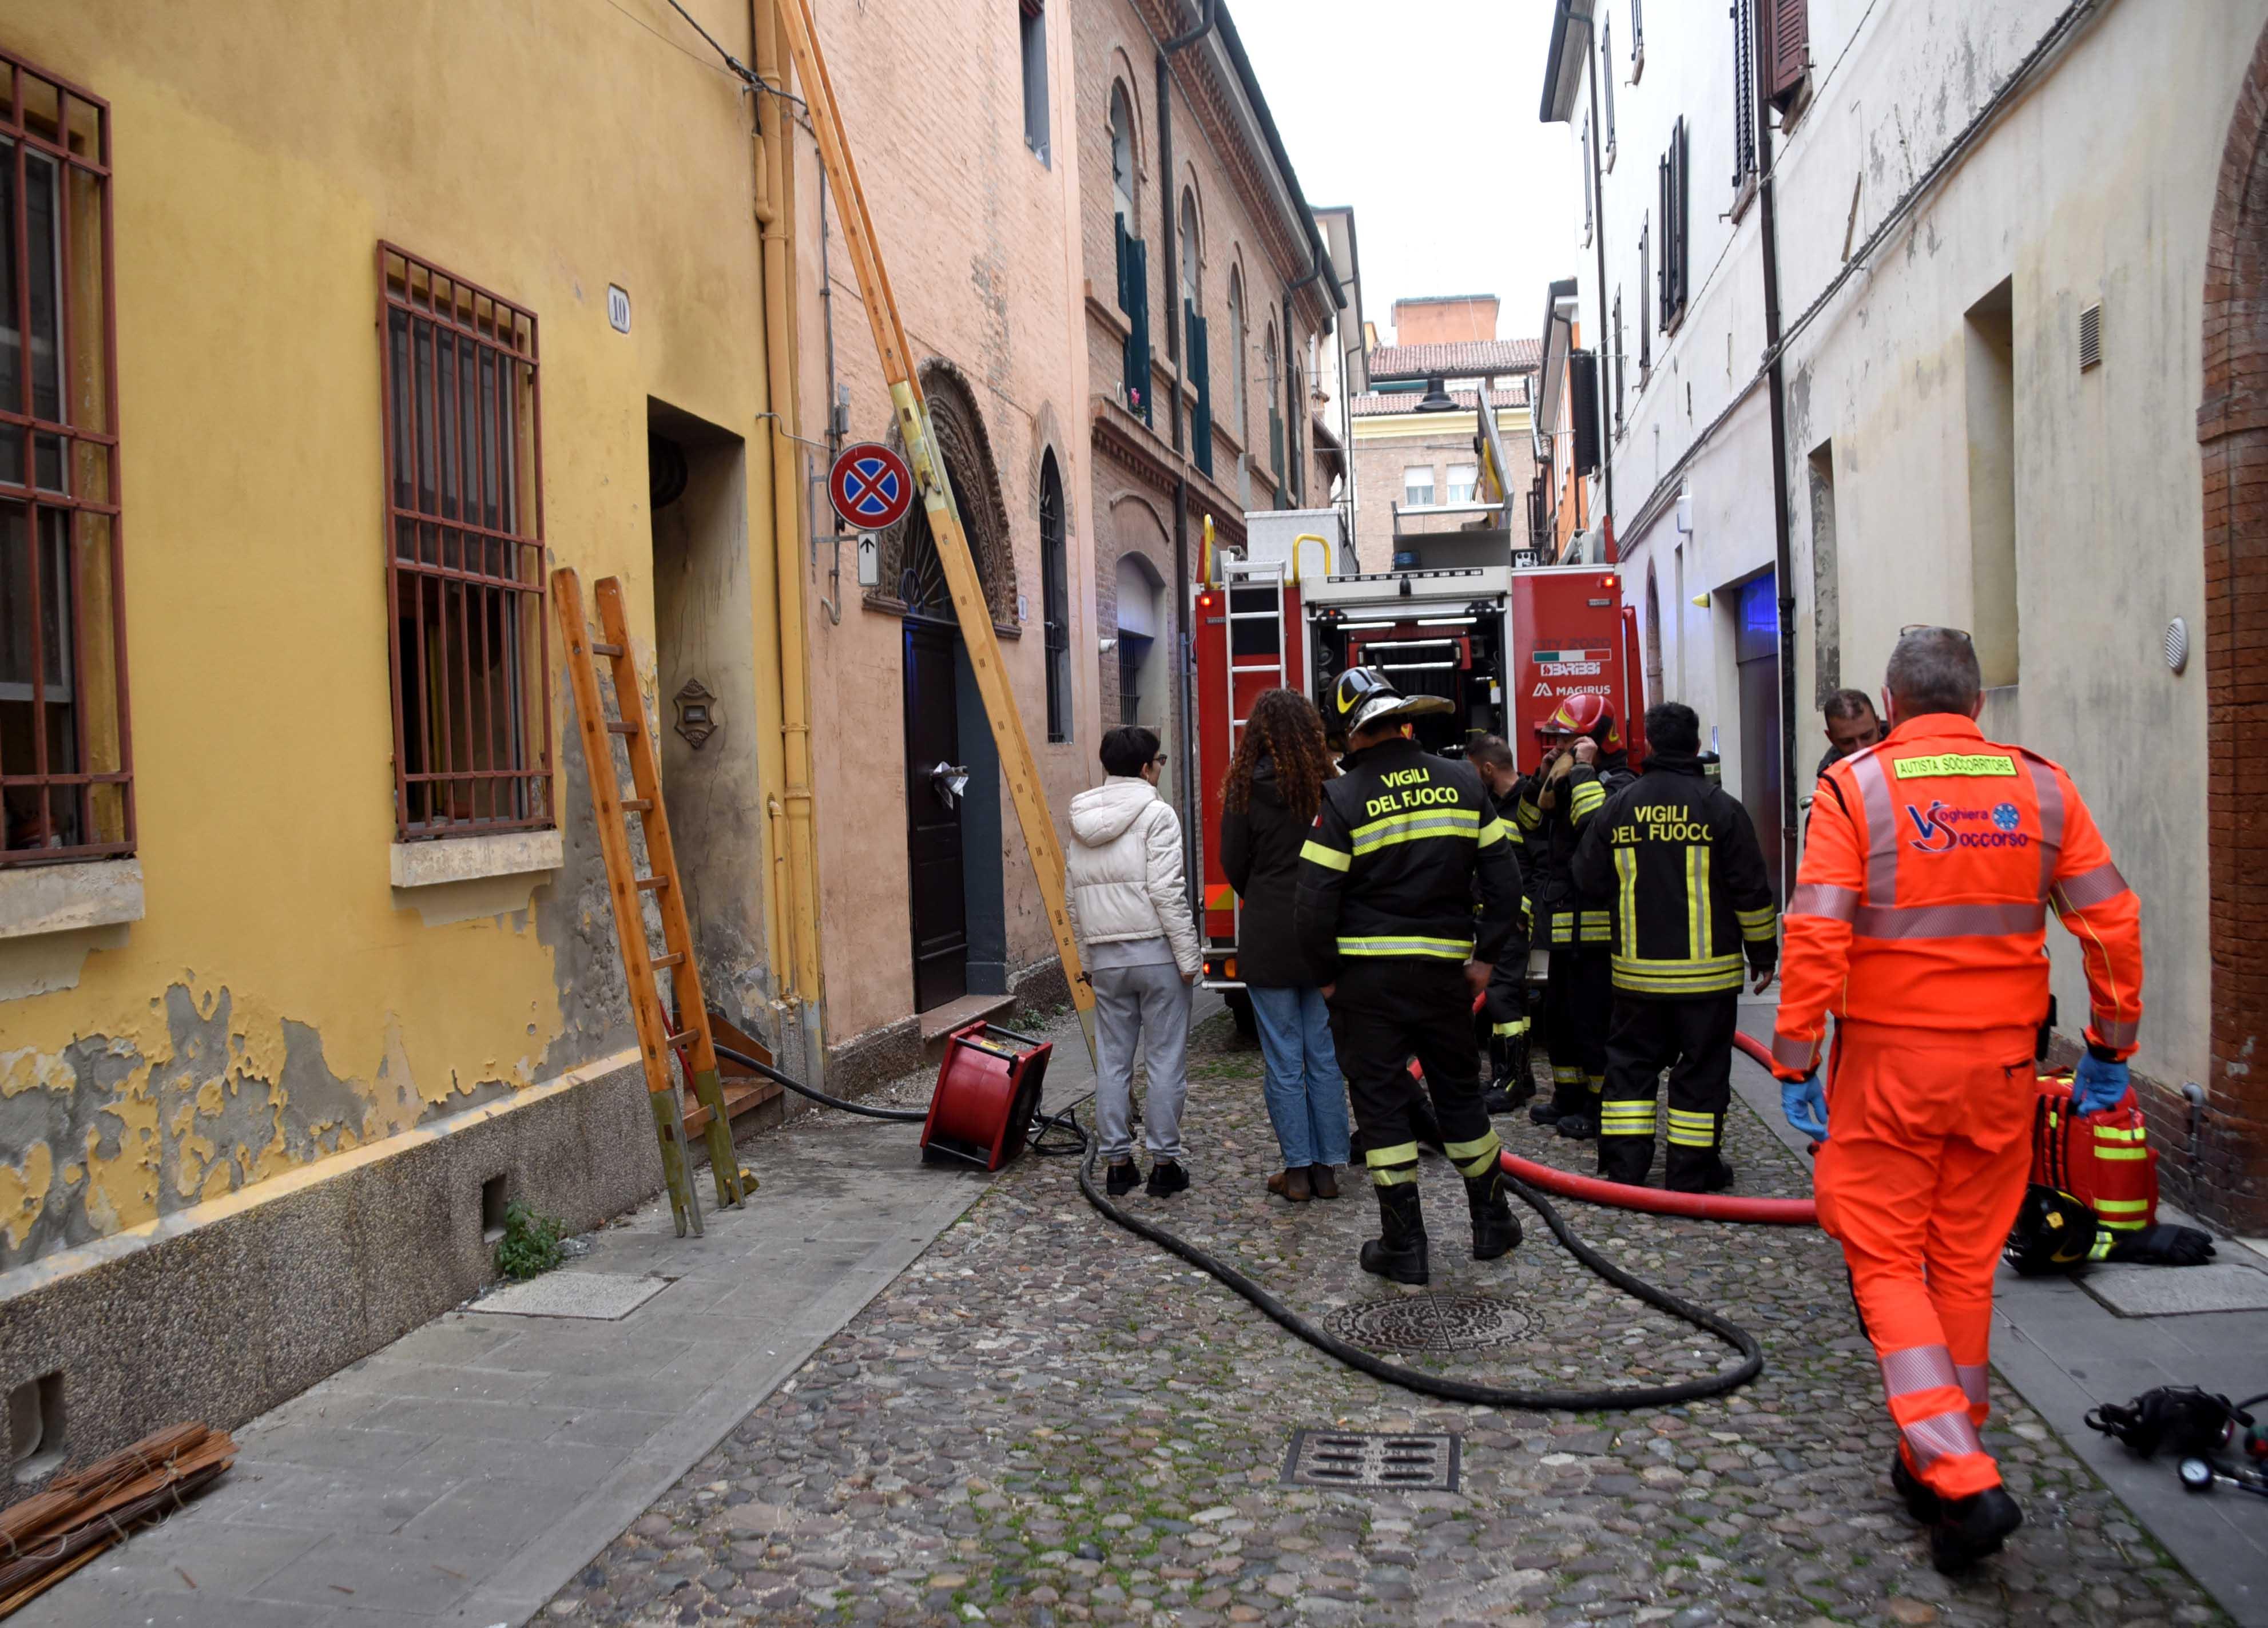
(1918, 920)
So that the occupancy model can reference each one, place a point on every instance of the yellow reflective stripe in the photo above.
(1626, 868)
(1638, 983)
(1451, 822)
(1498, 831)
(2115, 1133)
(1517, 1026)
(1758, 927)
(2103, 1245)
(1446, 949)
(1701, 930)
(1393, 1177)
(1331, 859)
(1566, 1076)
(2123, 1206)
(1589, 797)
(1401, 1153)
(1474, 1149)
(2121, 1152)
(1528, 813)
(1691, 1139)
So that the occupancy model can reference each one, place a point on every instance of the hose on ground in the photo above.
(1460, 1391)
(902, 1115)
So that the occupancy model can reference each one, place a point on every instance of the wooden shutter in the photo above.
(1789, 45)
(1744, 90)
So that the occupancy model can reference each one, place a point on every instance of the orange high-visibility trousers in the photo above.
(1924, 1169)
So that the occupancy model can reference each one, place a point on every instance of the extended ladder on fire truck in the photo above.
(693, 1045)
(1247, 576)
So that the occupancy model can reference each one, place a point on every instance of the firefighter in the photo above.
(1584, 763)
(1920, 920)
(1679, 857)
(1385, 915)
(1510, 1081)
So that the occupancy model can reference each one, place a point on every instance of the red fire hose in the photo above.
(1701, 1206)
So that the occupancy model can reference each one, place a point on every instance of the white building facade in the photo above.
(1995, 236)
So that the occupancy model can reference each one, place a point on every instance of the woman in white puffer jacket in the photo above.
(1129, 904)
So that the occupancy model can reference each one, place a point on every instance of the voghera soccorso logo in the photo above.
(1941, 828)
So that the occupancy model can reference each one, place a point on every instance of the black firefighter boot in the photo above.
(1495, 1230)
(1399, 1251)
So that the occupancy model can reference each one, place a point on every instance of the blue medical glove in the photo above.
(1804, 1101)
(2098, 1084)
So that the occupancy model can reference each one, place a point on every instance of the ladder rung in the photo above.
(597, 649)
(651, 884)
(621, 729)
(671, 959)
(681, 1038)
(637, 804)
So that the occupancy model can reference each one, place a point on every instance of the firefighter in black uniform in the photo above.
(1385, 914)
(1678, 857)
(1584, 764)
(1510, 1081)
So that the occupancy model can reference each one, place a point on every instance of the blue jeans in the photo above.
(1307, 1098)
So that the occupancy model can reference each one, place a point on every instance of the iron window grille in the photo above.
(66, 779)
(468, 639)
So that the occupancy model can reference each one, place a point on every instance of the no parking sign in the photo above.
(870, 486)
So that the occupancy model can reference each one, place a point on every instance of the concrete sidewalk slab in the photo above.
(2156, 1291)
(2065, 1353)
(463, 1474)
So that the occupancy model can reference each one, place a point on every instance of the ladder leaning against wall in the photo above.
(694, 1046)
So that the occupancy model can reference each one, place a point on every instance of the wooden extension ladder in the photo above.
(694, 1044)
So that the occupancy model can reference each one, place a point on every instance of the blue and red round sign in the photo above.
(870, 486)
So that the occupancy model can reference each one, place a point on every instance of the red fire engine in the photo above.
(1506, 645)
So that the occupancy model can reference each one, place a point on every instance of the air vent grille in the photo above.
(2090, 336)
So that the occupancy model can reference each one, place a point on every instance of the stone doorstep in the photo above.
(940, 1021)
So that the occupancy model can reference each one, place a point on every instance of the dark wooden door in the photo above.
(938, 905)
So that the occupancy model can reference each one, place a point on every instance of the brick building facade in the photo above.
(1183, 214)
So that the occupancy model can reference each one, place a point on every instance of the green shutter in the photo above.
(1200, 357)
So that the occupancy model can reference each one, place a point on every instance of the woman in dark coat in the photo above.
(1274, 788)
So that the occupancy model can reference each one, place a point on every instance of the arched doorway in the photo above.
(955, 869)
(2233, 434)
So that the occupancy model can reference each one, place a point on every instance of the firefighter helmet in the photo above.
(1364, 697)
(1585, 715)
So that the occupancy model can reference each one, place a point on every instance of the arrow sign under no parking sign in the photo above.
(870, 486)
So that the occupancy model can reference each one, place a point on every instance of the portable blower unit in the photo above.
(988, 1089)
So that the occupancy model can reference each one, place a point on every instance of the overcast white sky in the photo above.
(1422, 116)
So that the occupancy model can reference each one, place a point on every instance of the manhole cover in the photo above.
(1347, 1458)
(1432, 1323)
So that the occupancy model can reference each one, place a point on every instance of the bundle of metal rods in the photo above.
(52, 1533)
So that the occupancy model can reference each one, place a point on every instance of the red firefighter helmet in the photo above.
(1584, 715)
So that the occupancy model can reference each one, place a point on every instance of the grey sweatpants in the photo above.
(1151, 1005)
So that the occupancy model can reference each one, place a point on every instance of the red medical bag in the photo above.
(2105, 1159)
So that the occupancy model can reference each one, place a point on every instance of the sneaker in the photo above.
(1166, 1178)
(1580, 1127)
(1122, 1179)
(1968, 1529)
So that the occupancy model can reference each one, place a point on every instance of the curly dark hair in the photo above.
(1285, 728)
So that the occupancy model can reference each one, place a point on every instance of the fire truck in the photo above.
(1505, 644)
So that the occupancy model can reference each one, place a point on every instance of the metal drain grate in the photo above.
(1347, 1458)
(1432, 1323)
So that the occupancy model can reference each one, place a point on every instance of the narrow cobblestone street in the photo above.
(1046, 1420)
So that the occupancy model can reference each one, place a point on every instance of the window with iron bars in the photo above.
(66, 773)
(469, 645)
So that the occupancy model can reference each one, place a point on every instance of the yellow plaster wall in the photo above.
(543, 148)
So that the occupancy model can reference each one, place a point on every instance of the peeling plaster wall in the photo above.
(281, 1003)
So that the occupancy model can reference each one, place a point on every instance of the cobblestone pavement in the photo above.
(1046, 1420)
